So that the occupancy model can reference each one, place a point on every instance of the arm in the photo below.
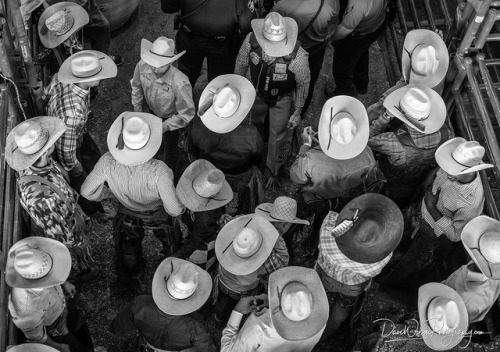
(379, 125)
(202, 340)
(452, 227)
(340, 33)
(166, 190)
(170, 6)
(278, 258)
(184, 105)
(67, 143)
(299, 171)
(242, 60)
(377, 109)
(123, 322)
(93, 187)
(245, 16)
(137, 91)
(300, 67)
(246, 340)
(205, 226)
(386, 143)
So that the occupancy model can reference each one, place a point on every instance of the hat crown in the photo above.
(208, 183)
(247, 242)
(183, 281)
(469, 153)
(274, 27)
(424, 60)
(30, 137)
(443, 315)
(489, 246)
(85, 64)
(296, 302)
(136, 132)
(226, 101)
(60, 22)
(343, 128)
(416, 104)
(32, 263)
(284, 208)
(163, 46)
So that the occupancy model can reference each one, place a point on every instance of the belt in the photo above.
(202, 35)
(232, 293)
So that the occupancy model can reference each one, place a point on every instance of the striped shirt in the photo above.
(458, 202)
(141, 187)
(336, 265)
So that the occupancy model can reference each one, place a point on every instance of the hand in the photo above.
(294, 120)
(165, 127)
(431, 198)
(271, 181)
(261, 302)
(69, 288)
(224, 219)
(137, 108)
(245, 305)
(76, 171)
(62, 347)
(306, 135)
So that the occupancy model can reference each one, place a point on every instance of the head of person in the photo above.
(282, 213)
(159, 54)
(276, 35)
(87, 68)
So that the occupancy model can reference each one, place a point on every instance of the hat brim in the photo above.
(437, 115)
(153, 59)
(392, 220)
(47, 37)
(16, 159)
(173, 306)
(436, 341)
(265, 209)
(281, 48)
(219, 124)
(446, 162)
(61, 264)
(109, 69)
(132, 157)
(425, 37)
(471, 234)
(191, 199)
(224, 249)
(32, 347)
(356, 109)
(297, 330)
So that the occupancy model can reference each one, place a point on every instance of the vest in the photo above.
(274, 80)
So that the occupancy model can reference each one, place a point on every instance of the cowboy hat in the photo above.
(180, 287)
(141, 134)
(159, 53)
(203, 187)
(245, 243)
(32, 347)
(297, 302)
(417, 106)
(425, 58)
(59, 21)
(87, 66)
(481, 239)
(343, 127)
(376, 232)
(283, 209)
(37, 262)
(275, 34)
(30, 139)
(443, 316)
(225, 102)
(459, 156)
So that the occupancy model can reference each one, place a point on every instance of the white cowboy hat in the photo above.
(203, 187)
(225, 102)
(32, 347)
(443, 316)
(297, 302)
(283, 209)
(425, 58)
(245, 243)
(87, 66)
(459, 156)
(417, 106)
(59, 21)
(30, 139)
(180, 287)
(276, 35)
(159, 53)
(481, 239)
(37, 262)
(343, 129)
(141, 134)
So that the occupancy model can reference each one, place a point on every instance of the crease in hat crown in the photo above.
(183, 281)
(468, 153)
(424, 60)
(208, 183)
(30, 137)
(60, 22)
(489, 246)
(136, 132)
(32, 263)
(443, 315)
(296, 301)
(284, 208)
(274, 28)
(416, 104)
(227, 101)
(85, 64)
(343, 128)
(247, 242)
(164, 47)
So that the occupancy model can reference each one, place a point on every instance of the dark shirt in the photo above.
(233, 153)
(163, 331)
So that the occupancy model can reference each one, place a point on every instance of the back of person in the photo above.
(364, 16)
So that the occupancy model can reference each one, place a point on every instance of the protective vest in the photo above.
(274, 80)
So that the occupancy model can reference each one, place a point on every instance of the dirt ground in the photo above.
(102, 299)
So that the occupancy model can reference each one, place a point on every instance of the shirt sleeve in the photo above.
(385, 143)
(166, 191)
(300, 67)
(93, 187)
(243, 58)
(67, 143)
(326, 240)
(202, 340)
(205, 225)
(452, 227)
(137, 91)
(248, 340)
(184, 105)
(124, 321)
(354, 14)
(245, 16)
(32, 324)
(377, 109)
(278, 258)
(299, 170)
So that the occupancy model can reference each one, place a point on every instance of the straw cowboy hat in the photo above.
(417, 106)
(283, 209)
(159, 53)
(343, 127)
(87, 66)
(134, 137)
(180, 287)
(245, 243)
(30, 139)
(59, 21)
(481, 239)
(37, 262)
(425, 58)
(443, 316)
(275, 34)
(297, 302)
(376, 232)
(459, 156)
(203, 187)
(225, 102)
(32, 347)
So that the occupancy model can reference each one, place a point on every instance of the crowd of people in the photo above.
(370, 181)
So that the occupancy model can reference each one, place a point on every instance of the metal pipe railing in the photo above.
(490, 89)
(473, 28)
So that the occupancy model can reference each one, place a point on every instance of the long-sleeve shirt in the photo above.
(141, 187)
(299, 66)
(364, 16)
(169, 97)
(33, 310)
(163, 331)
(459, 203)
(71, 104)
(326, 177)
(259, 334)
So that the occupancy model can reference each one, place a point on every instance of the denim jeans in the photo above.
(78, 338)
(97, 30)
(316, 55)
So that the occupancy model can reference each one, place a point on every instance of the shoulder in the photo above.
(179, 78)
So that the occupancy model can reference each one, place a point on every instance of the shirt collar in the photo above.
(83, 93)
(466, 189)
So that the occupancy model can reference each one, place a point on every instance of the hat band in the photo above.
(275, 218)
(409, 117)
(169, 56)
(207, 198)
(87, 76)
(68, 25)
(458, 162)
(30, 276)
(42, 138)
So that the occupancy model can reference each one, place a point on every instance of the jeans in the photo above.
(78, 338)
(316, 55)
(97, 30)
(170, 150)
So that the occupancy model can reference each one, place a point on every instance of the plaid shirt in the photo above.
(71, 104)
(336, 265)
